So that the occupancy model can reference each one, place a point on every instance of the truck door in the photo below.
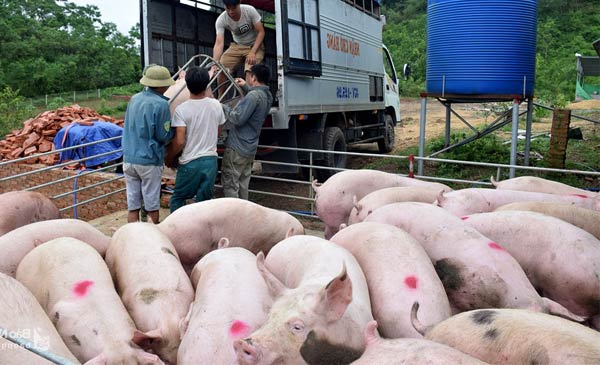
(301, 37)
(392, 96)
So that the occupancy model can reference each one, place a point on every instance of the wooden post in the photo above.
(557, 151)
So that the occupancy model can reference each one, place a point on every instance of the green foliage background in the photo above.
(564, 28)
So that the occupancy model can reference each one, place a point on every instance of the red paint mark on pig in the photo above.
(411, 282)
(580, 196)
(239, 329)
(80, 289)
(465, 217)
(495, 246)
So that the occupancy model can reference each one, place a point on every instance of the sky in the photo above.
(124, 13)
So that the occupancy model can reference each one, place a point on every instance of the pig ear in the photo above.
(184, 322)
(144, 340)
(355, 203)
(144, 357)
(440, 198)
(493, 181)
(223, 243)
(276, 287)
(342, 226)
(336, 297)
(371, 335)
(290, 232)
(316, 185)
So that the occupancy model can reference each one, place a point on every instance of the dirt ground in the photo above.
(407, 135)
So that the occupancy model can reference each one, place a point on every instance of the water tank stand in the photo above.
(511, 115)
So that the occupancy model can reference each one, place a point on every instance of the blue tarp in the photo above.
(77, 134)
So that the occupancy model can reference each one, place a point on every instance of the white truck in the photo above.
(333, 80)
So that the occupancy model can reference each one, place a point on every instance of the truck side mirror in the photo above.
(406, 71)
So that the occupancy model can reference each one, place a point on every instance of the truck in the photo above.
(333, 81)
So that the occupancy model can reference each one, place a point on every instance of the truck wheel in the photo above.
(387, 143)
(333, 140)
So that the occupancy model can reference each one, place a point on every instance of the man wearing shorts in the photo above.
(244, 23)
(146, 130)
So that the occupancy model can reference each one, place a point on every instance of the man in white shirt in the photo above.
(244, 23)
(197, 123)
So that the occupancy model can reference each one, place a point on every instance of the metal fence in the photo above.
(284, 184)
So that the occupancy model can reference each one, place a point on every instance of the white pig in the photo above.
(22, 315)
(152, 284)
(23, 207)
(477, 200)
(15, 244)
(561, 261)
(409, 351)
(335, 198)
(476, 272)
(516, 336)
(382, 197)
(72, 283)
(539, 185)
(321, 309)
(196, 229)
(232, 300)
(398, 273)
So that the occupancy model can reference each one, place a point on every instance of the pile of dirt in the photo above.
(37, 134)
(584, 105)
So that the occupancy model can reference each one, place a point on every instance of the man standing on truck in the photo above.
(197, 123)
(146, 129)
(244, 23)
(245, 121)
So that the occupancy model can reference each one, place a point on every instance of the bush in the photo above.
(14, 109)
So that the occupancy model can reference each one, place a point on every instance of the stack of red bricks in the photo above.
(37, 134)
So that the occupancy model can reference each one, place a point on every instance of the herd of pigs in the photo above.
(409, 272)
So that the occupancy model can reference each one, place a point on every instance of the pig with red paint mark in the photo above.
(398, 273)
(515, 336)
(562, 261)
(539, 185)
(73, 285)
(152, 284)
(15, 244)
(321, 307)
(585, 219)
(409, 351)
(20, 208)
(476, 200)
(335, 198)
(21, 315)
(476, 272)
(382, 197)
(196, 229)
(232, 300)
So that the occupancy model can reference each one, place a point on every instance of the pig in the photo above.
(232, 300)
(516, 336)
(22, 315)
(152, 284)
(334, 199)
(382, 197)
(409, 351)
(177, 93)
(476, 272)
(23, 207)
(477, 200)
(15, 244)
(561, 261)
(196, 229)
(321, 306)
(398, 273)
(539, 185)
(74, 287)
(585, 219)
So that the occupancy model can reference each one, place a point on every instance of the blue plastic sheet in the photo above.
(77, 134)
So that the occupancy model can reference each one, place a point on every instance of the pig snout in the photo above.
(246, 352)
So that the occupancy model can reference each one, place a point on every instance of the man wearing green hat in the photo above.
(146, 130)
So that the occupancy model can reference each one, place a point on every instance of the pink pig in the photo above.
(321, 309)
(232, 300)
(15, 244)
(539, 185)
(152, 284)
(335, 198)
(72, 283)
(476, 271)
(398, 273)
(20, 208)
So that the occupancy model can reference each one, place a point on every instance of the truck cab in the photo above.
(333, 81)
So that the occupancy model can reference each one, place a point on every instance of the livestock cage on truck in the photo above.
(333, 81)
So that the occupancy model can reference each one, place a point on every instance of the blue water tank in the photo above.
(481, 47)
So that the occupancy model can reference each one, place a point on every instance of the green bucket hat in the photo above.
(157, 76)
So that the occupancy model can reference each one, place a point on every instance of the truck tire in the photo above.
(333, 140)
(387, 143)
